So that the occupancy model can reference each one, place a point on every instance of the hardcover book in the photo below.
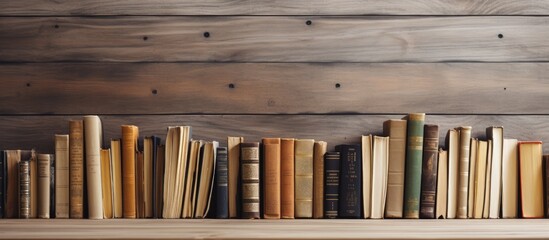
(13, 157)
(473, 164)
(463, 178)
(509, 179)
(76, 169)
(44, 181)
(396, 130)
(106, 183)
(304, 149)
(159, 180)
(130, 134)
(271, 178)
(221, 184)
(30, 155)
(92, 133)
(318, 178)
(116, 161)
(233, 158)
(62, 176)
(442, 185)
(367, 143)
(496, 135)
(350, 204)
(480, 178)
(331, 183)
(287, 172)
(452, 143)
(249, 166)
(531, 179)
(24, 189)
(414, 151)
(429, 172)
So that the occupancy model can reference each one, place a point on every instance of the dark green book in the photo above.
(414, 151)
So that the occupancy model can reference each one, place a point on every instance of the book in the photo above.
(189, 196)
(480, 178)
(3, 182)
(546, 183)
(177, 150)
(116, 165)
(366, 144)
(206, 182)
(62, 176)
(139, 185)
(106, 183)
(496, 135)
(350, 204)
(76, 169)
(442, 185)
(318, 178)
(30, 155)
(304, 149)
(159, 180)
(233, 158)
(396, 130)
(271, 178)
(24, 189)
(509, 179)
(463, 177)
(380, 172)
(13, 157)
(44, 175)
(472, 177)
(287, 172)
(414, 151)
(130, 134)
(92, 133)
(452, 143)
(52, 185)
(221, 184)
(486, 207)
(249, 177)
(429, 172)
(155, 176)
(331, 183)
(531, 179)
(149, 150)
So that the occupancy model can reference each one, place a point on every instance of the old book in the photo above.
(473, 164)
(452, 143)
(30, 155)
(44, 175)
(116, 164)
(318, 178)
(189, 196)
(350, 204)
(271, 178)
(486, 207)
(463, 178)
(396, 130)
(531, 179)
(106, 183)
(3, 182)
(414, 151)
(429, 172)
(249, 166)
(331, 183)
(76, 169)
(221, 186)
(92, 133)
(130, 134)
(546, 183)
(151, 189)
(480, 178)
(509, 179)
(366, 144)
(159, 181)
(62, 176)
(139, 185)
(304, 149)
(233, 158)
(380, 172)
(148, 157)
(442, 185)
(13, 157)
(287, 146)
(177, 150)
(206, 183)
(52, 185)
(24, 189)
(496, 135)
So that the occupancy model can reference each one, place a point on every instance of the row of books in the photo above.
(403, 174)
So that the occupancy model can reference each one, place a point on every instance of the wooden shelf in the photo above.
(273, 229)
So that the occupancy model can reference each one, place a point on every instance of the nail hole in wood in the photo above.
(231, 85)
(28, 84)
(504, 89)
(338, 85)
(56, 26)
(500, 35)
(154, 91)
(308, 22)
(206, 34)
(145, 38)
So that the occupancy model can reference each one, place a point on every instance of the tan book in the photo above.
(24, 189)
(486, 207)
(453, 171)
(509, 198)
(287, 172)
(116, 162)
(33, 165)
(480, 178)
(496, 135)
(92, 133)
(531, 179)
(463, 178)
(442, 184)
(380, 172)
(61, 176)
(367, 151)
(177, 149)
(76, 169)
(13, 157)
(44, 181)
(472, 176)
(271, 178)
(233, 148)
(139, 184)
(194, 151)
(148, 176)
(396, 130)
(130, 135)
(320, 148)
(304, 149)
(106, 183)
(207, 171)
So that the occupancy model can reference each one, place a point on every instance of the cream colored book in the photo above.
(486, 209)
(44, 181)
(190, 178)
(233, 158)
(380, 171)
(207, 170)
(304, 149)
(396, 130)
(453, 172)
(177, 148)
(62, 176)
(496, 135)
(92, 134)
(509, 196)
(531, 179)
(480, 178)
(106, 183)
(442, 185)
(116, 162)
(472, 175)
(367, 175)
(463, 177)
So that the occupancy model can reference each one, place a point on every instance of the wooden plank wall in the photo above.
(329, 70)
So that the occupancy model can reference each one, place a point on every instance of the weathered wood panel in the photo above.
(268, 88)
(274, 7)
(274, 39)
(38, 131)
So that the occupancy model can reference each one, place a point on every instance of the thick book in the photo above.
(304, 149)
(509, 179)
(24, 189)
(62, 176)
(414, 151)
(452, 143)
(487, 185)
(44, 175)
(442, 185)
(463, 177)
(221, 184)
(191, 179)
(249, 177)
(429, 172)
(380, 172)
(149, 150)
(206, 179)
(287, 146)
(480, 178)
(13, 157)
(76, 169)
(159, 180)
(92, 133)
(318, 178)
(531, 179)
(331, 183)
(496, 135)
(130, 134)
(366, 144)
(106, 183)
(30, 155)
(473, 164)
(350, 190)
(271, 178)
(546, 183)
(233, 159)
(3, 182)
(396, 130)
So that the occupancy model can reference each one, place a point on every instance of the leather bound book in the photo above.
(44, 175)
(287, 172)
(233, 159)
(304, 149)
(546, 180)
(350, 189)
(62, 176)
(92, 133)
(318, 179)
(13, 157)
(221, 186)
(429, 172)
(3, 182)
(331, 183)
(52, 185)
(271, 178)
(129, 149)
(509, 179)
(159, 180)
(30, 155)
(396, 130)
(249, 166)
(148, 157)
(442, 185)
(116, 161)
(106, 183)
(24, 189)
(531, 179)
(414, 151)
(76, 169)
(463, 177)
(496, 135)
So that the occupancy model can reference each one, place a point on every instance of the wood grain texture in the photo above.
(268, 88)
(274, 39)
(274, 7)
(27, 132)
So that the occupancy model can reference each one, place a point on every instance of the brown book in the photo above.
(139, 185)
(429, 171)
(129, 149)
(233, 157)
(30, 155)
(24, 189)
(287, 177)
(304, 149)
(546, 179)
(531, 180)
(159, 181)
(116, 165)
(463, 177)
(13, 157)
(92, 134)
(148, 177)
(61, 176)
(396, 130)
(318, 178)
(249, 166)
(106, 183)
(271, 178)
(44, 175)
(76, 169)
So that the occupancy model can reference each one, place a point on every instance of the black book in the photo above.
(3, 181)
(350, 187)
(331, 184)
(52, 186)
(221, 184)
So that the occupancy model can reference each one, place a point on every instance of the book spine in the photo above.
(414, 151)
(271, 178)
(287, 172)
(76, 169)
(546, 178)
(318, 178)
(52, 185)
(30, 155)
(509, 198)
(429, 172)
(24, 189)
(463, 177)
(44, 176)
(129, 171)
(2, 182)
(116, 158)
(304, 178)
(249, 166)
(160, 162)
(442, 185)
(380, 167)
(139, 190)
(92, 132)
(396, 130)
(13, 157)
(331, 183)
(350, 190)
(233, 159)
(62, 176)
(221, 184)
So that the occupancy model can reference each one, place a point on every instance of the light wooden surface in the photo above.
(274, 39)
(274, 229)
